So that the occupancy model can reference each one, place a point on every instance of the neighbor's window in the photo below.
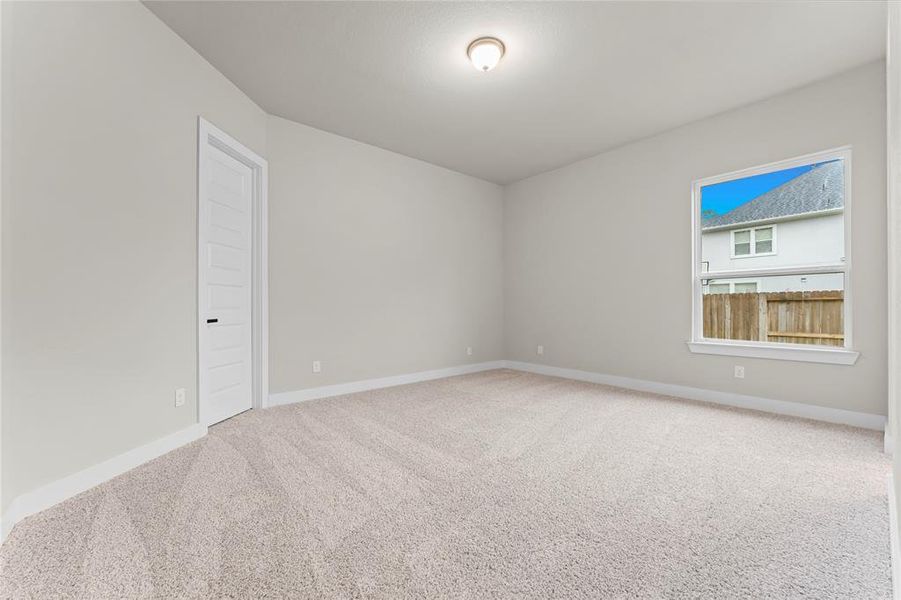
(747, 292)
(730, 287)
(752, 242)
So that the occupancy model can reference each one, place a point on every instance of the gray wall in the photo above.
(597, 254)
(379, 264)
(100, 105)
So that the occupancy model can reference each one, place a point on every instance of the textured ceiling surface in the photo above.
(577, 79)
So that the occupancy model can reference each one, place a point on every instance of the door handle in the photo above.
(208, 321)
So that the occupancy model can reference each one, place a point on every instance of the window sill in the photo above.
(758, 255)
(834, 356)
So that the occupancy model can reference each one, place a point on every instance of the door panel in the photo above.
(226, 221)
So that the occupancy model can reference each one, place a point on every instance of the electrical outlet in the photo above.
(180, 397)
(739, 372)
(468, 350)
(317, 366)
(540, 350)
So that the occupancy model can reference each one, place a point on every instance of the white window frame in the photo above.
(753, 239)
(797, 352)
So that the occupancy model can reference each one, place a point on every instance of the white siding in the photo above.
(794, 283)
(812, 241)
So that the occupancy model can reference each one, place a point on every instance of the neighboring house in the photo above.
(798, 223)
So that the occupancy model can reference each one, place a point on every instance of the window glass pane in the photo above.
(762, 247)
(718, 288)
(763, 234)
(789, 309)
(804, 203)
(763, 238)
(741, 249)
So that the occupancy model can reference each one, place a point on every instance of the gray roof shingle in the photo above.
(820, 189)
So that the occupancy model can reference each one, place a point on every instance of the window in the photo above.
(763, 240)
(749, 299)
(741, 241)
(753, 242)
(731, 287)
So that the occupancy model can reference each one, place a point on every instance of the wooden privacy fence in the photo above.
(788, 317)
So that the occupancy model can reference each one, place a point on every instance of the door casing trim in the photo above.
(210, 135)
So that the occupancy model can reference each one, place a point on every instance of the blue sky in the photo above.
(723, 197)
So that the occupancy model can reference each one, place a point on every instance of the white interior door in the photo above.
(226, 286)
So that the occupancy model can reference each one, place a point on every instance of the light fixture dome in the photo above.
(485, 53)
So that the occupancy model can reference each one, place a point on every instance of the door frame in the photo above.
(209, 135)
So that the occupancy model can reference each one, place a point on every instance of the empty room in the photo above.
(450, 300)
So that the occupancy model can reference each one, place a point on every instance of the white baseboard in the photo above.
(782, 407)
(353, 387)
(62, 489)
(894, 537)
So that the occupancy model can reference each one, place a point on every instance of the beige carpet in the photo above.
(499, 484)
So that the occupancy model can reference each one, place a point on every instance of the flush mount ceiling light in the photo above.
(485, 53)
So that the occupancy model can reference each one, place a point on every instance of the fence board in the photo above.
(788, 317)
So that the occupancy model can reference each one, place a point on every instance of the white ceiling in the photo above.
(578, 78)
